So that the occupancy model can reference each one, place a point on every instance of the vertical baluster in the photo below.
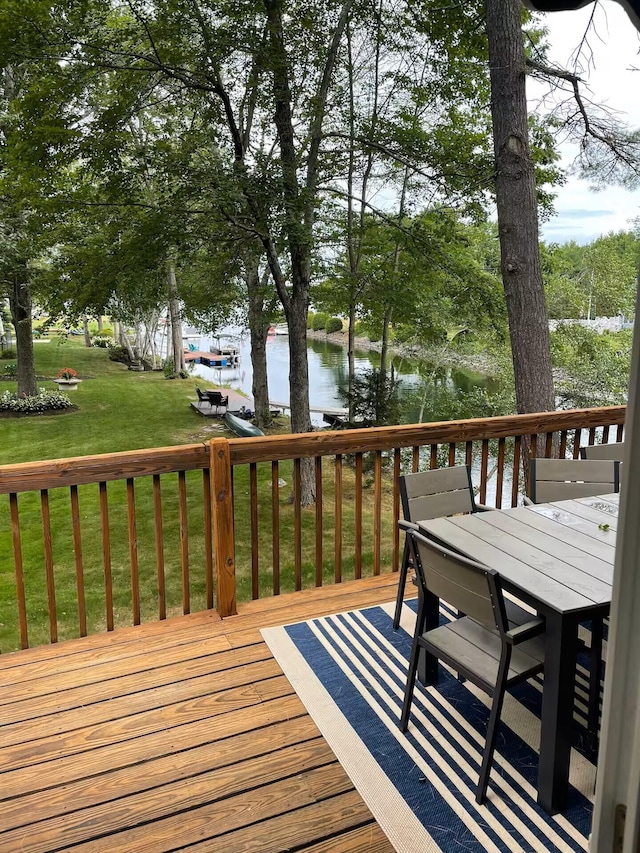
(592, 435)
(184, 542)
(338, 518)
(533, 446)
(548, 446)
(576, 443)
(415, 459)
(133, 550)
(253, 525)
(275, 525)
(452, 453)
(484, 467)
(159, 541)
(516, 470)
(620, 432)
(297, 524)
(48, 566)
(77, 550)
(319, 526)
(605, 434)
(106, 554)
(468, 454)
(208, 537)
(563, 444)
(17, 560)
(358, 530)
(396, 510)
(433, 456)
(377, 511)
(500, 472)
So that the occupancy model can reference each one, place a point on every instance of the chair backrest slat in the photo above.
(613, 451)
(564, 479)
(438, 492)
(464, 584)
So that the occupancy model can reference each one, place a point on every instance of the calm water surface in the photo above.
(426, 393)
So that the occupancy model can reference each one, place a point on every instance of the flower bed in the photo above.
(44, 401)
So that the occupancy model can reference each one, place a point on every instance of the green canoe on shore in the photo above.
(240, 427)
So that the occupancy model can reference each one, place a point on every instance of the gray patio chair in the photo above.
(613, 451)
(563, 479)
(490, 647)
(432, 494)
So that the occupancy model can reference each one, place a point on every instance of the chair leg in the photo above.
(595, 679)
(413, 669)
(492, 726)
(402, 580)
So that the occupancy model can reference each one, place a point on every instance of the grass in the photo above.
(119, 410)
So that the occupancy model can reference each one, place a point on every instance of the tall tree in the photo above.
(517, 206)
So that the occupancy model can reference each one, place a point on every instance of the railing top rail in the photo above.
(80, 470)
(265, 449)
(53, 473)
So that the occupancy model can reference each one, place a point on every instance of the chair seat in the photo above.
(475, 650)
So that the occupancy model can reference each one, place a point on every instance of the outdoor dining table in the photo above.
(558, 558)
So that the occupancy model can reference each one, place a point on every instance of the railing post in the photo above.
(222, 519)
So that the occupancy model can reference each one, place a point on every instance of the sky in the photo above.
(583, 214)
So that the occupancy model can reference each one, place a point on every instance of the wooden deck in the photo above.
(181, 734)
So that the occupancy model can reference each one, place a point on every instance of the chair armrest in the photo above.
(484, 508)
(527, 501)
(407, 525)
(525, 632)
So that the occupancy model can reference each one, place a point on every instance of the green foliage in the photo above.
(44, 401)
(7, 354)
(595, 280)
(374, 399)
(334, 324)
(595, 367)
(102, 342)
(10, 371)
(119, 354)
(310, 320)
(320, 321)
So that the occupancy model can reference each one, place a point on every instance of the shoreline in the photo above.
(478, 362)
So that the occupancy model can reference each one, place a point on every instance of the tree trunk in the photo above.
(85, 328)
(179, 362)
(517, 210)
(99, 324)
(20, 307)
(258, 328)
(126, 343)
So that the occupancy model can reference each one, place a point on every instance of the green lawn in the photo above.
(118, 409)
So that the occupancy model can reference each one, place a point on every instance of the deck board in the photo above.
(176, 735)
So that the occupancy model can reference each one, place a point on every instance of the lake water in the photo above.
(426, 393)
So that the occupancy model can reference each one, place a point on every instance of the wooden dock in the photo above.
(177, 734)
(207, 358)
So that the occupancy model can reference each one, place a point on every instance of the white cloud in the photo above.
(582, 213)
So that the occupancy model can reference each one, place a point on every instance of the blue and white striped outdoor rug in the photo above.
(349, 671)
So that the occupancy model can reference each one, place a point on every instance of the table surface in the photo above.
(560, 553)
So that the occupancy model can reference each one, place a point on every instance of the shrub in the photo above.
(101, 341)
(119, 354)
(310, 320)
(334, 324)
(319, 322)
(10, 371)
(8, 353)
(44, 401)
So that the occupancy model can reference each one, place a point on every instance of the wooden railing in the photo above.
(101, 541)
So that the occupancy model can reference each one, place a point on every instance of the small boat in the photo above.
(240, 427)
